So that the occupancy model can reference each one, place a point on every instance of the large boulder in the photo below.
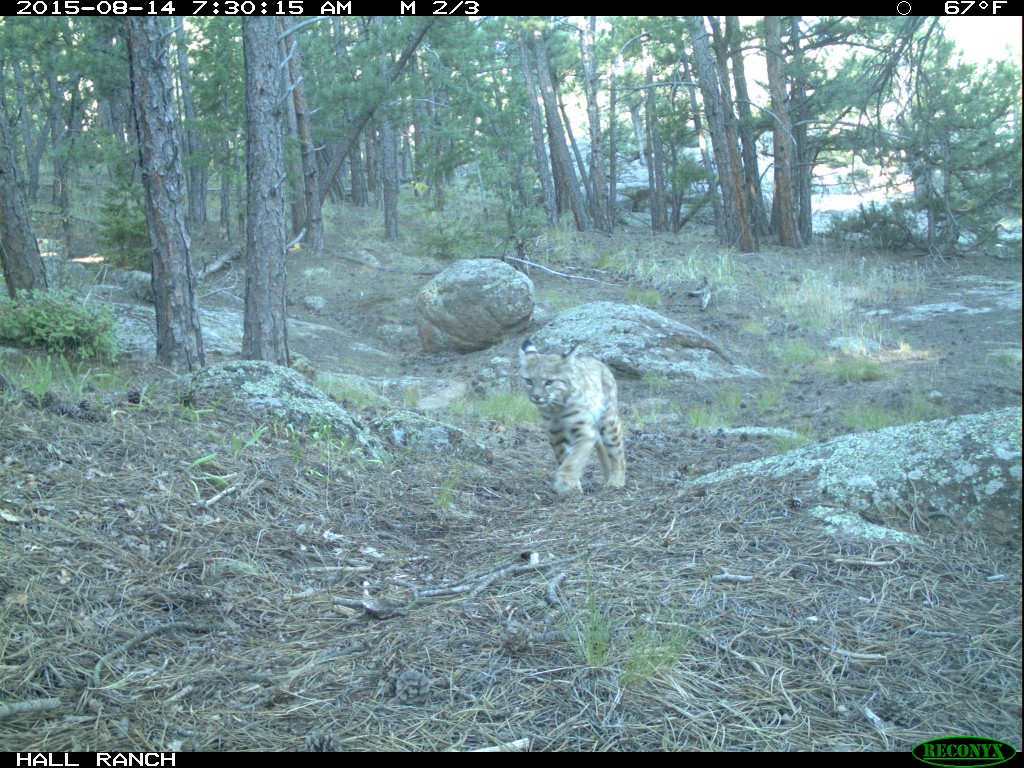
(473, 305)
(963, 472)
(635, 340)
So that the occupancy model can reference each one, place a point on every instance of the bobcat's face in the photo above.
(545, 381)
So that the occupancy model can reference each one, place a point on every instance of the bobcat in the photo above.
(578, 398)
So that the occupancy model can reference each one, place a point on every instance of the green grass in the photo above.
(658, 647)
(856, 369)
(866, 417)
(754, 326)
(589, 630)
(826, 298)
(804, 434)
(648, 297)
(797, 352)
(350, 392)
(507, 407)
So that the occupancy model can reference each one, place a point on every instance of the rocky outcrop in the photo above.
(472, 305)
(274, 393)
(635, 340)
(960, 472)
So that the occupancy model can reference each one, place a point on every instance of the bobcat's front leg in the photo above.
(567, 479)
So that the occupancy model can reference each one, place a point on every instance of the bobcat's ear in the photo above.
(528, 348)
(571, 352)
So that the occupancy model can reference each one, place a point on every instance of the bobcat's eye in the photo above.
(529, 382)
(548, 382)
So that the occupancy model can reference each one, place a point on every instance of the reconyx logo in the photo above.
(961, 751)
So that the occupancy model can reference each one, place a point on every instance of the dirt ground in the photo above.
(179, 579)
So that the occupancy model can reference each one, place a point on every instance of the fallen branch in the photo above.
(218, 263)
(31, 705)
(519, 745)
(554, 272)
(478, 583)
(140, 638)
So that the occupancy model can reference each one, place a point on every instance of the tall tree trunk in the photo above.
(265, 335)
(702, 144)
(565, 176)
(389, 176)
(782, 134)
(195, 165)
(748, 138)
(720, 48)
(179, 337)
(314, 221)
(360, 183)
(734, 220)
(803, 162)
(33, 149)
(598, 186)
(547, 180)
(655, 160)
(19, 251)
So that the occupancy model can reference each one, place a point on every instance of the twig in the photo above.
(519, 745)
(856, 656)
(732, 577)
(554, 272)
(141, 638)
(710, 640)
(217, 497)
(479, 582)
(857, 561)
(551, 591)
(31, 705)
(379, 609)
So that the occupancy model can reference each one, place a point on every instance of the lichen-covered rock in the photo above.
(635, 340)
(472, 305)
(411, 430)
(964, 470)
(273, 392)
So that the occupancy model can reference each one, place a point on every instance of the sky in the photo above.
(986, 37)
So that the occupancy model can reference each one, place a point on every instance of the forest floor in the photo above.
(440, 602)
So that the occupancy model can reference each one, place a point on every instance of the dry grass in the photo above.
(325, 595)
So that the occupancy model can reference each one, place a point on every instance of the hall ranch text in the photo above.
(77, 760)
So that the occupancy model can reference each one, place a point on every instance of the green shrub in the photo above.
(888, 227)
(122, 227)
(56, 322)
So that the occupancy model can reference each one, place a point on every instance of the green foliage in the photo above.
(122, 226)
(508, 407)
(56, 322)
(590, 628)
(888, 227)
(853, 369)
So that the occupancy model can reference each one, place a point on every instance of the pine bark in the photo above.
(19, 251)
(179, 337)
(265, 332)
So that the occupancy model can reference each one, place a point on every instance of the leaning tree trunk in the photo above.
(547, 180)
(734, 222)
(565, 176)
(314, 222)
(265, 335)
(179, 337)
(19, 251)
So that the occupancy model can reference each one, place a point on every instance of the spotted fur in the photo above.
(578, 400)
